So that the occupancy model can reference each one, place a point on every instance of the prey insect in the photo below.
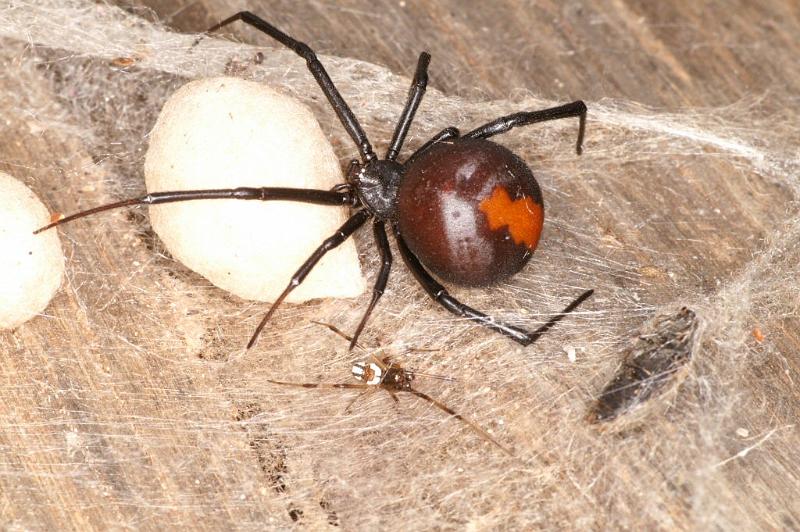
(380, 373)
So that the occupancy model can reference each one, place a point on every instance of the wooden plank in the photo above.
(130, 404)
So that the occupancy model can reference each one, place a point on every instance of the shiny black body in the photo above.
(377, 184)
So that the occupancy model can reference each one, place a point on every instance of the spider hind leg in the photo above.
(451, 304)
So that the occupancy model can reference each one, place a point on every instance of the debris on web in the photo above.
(652, 363)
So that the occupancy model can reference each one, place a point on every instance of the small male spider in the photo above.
(461, 206)
(380, 373)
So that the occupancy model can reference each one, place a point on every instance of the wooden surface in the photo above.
(128, 406)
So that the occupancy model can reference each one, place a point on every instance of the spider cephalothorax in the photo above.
(461, 206)
(376, 184)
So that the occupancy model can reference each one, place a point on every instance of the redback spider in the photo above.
(461, 206)
(381, 373)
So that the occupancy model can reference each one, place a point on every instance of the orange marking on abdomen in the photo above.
(523, 217)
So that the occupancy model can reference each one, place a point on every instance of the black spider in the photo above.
(467, 209)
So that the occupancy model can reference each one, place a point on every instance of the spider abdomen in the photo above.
(471, 211)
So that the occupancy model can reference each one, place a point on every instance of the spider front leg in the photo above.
(415, 94)
(344, 232)
(343, 111)
(441, 296)
(505, 123)
(300, 195)
(344, 386)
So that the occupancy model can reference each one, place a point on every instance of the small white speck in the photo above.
(72, 438)
(571, 353)
(402, 4)
(742, 432)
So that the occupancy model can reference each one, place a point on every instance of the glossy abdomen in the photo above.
(471, 211)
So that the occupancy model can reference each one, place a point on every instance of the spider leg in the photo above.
(380, 281)
(441, 296)
(392, 395)
(505, 123)
(347, 386)
(336, 330)
(535, 335)
(368, 389)
(482, 433)
(344, 232)
(343, 111)
(442, 136)
(302, 195)
(415, 94)
(383, 362)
